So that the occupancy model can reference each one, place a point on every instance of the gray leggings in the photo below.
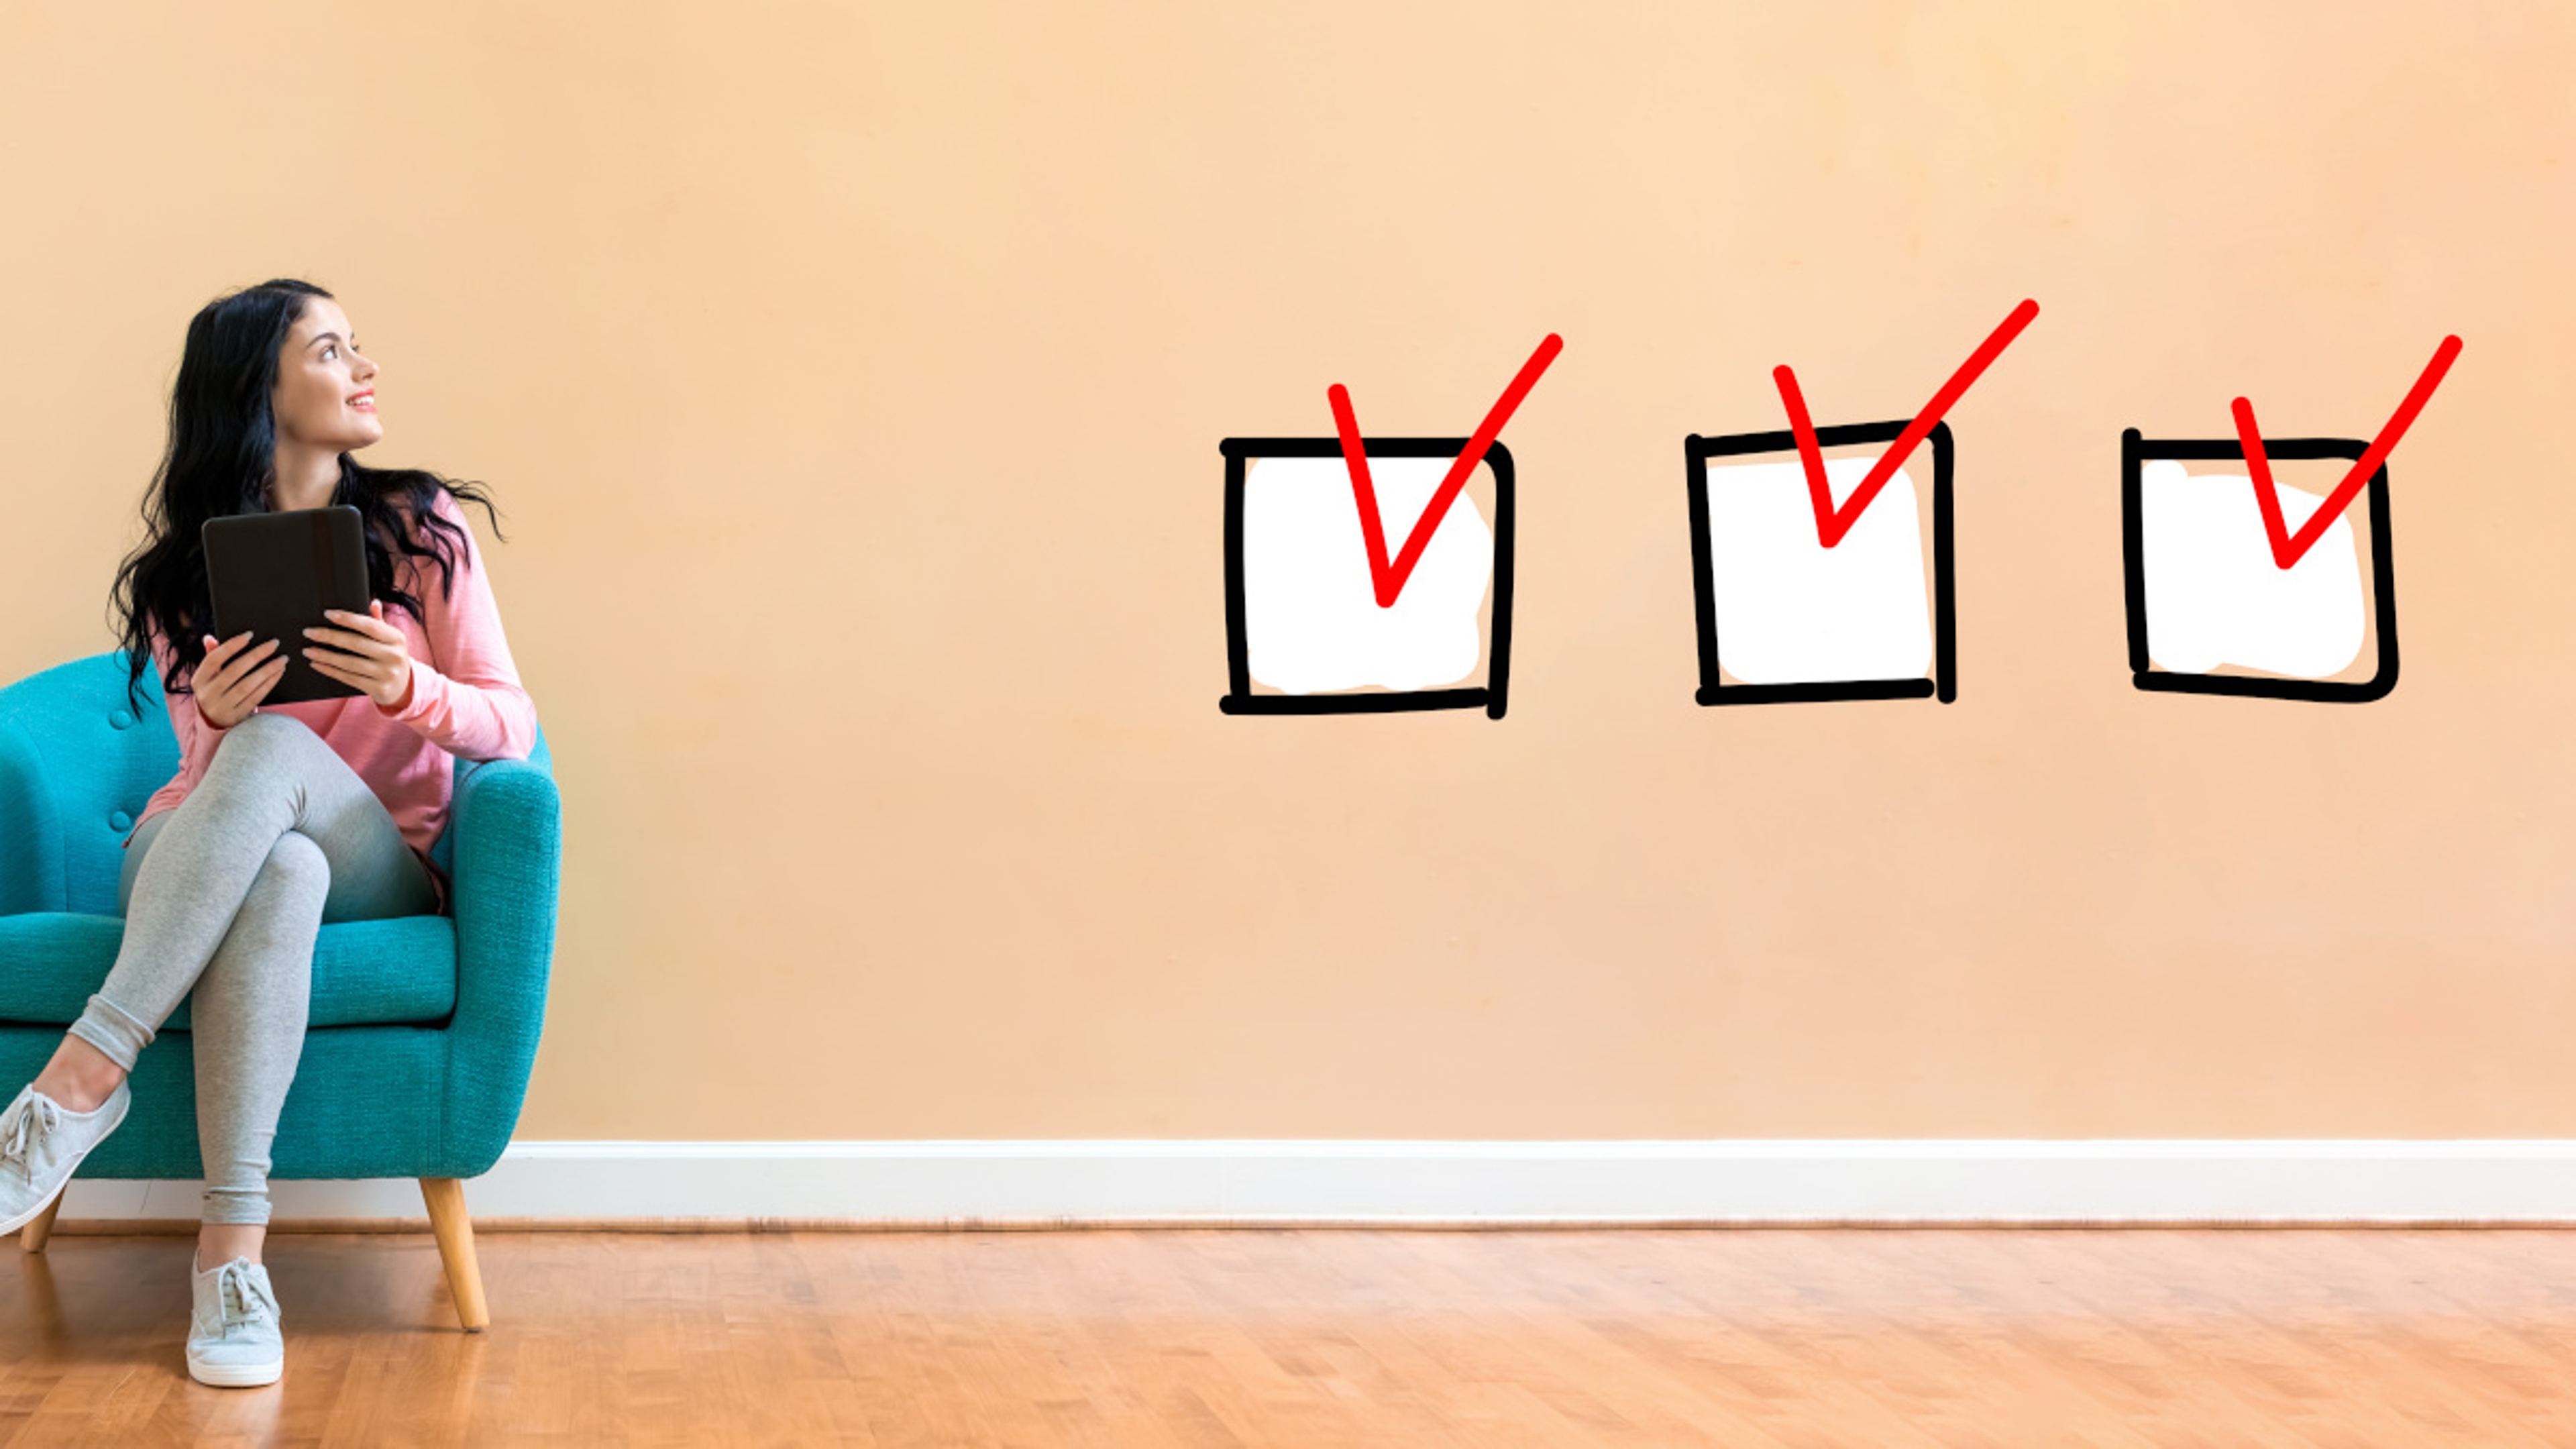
(225, 893)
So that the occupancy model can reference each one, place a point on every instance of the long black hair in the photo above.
(220, 461)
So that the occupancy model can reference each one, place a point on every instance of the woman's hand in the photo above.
(231, 681)
(377, 661)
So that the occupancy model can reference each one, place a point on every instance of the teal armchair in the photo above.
(422, 1028)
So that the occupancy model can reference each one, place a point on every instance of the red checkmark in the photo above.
(1389, 578)
(1830, 525)
(2288, 550)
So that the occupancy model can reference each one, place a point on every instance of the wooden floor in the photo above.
(1224, 1337)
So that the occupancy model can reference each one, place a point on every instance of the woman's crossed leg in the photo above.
(223, 896)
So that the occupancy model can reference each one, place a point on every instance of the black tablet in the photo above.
(274, 574)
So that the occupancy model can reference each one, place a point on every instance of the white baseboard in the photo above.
(1263, 1181)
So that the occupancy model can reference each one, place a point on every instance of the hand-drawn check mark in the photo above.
(1830, 525)
(2287, 550)
(1388, 578)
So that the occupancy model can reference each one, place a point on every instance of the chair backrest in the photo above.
(77, 766)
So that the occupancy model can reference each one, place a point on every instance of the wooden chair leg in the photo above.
(455, 1230)
(32, 1237)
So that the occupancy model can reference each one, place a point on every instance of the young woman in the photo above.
(282, 818)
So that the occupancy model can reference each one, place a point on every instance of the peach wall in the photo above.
(851, 378)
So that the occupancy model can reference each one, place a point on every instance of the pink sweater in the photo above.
(465, 701)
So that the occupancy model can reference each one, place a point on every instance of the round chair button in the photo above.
(121, 719)
(120, 820)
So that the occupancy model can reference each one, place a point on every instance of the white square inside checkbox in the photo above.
(1791, 611)
(2216, 598)
(1311, 617)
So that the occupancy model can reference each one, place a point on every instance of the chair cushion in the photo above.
(365, 973)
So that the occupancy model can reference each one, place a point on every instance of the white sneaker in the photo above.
(41, 1141)
(233, 1341)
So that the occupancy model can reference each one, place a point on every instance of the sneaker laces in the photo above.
(31, 1119)
(241, 1298)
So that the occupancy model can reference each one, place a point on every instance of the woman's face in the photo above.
(325, 397)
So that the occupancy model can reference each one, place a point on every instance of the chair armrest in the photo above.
(509, 844)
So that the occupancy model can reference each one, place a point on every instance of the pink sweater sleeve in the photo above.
(197, 739)
(465, 697)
